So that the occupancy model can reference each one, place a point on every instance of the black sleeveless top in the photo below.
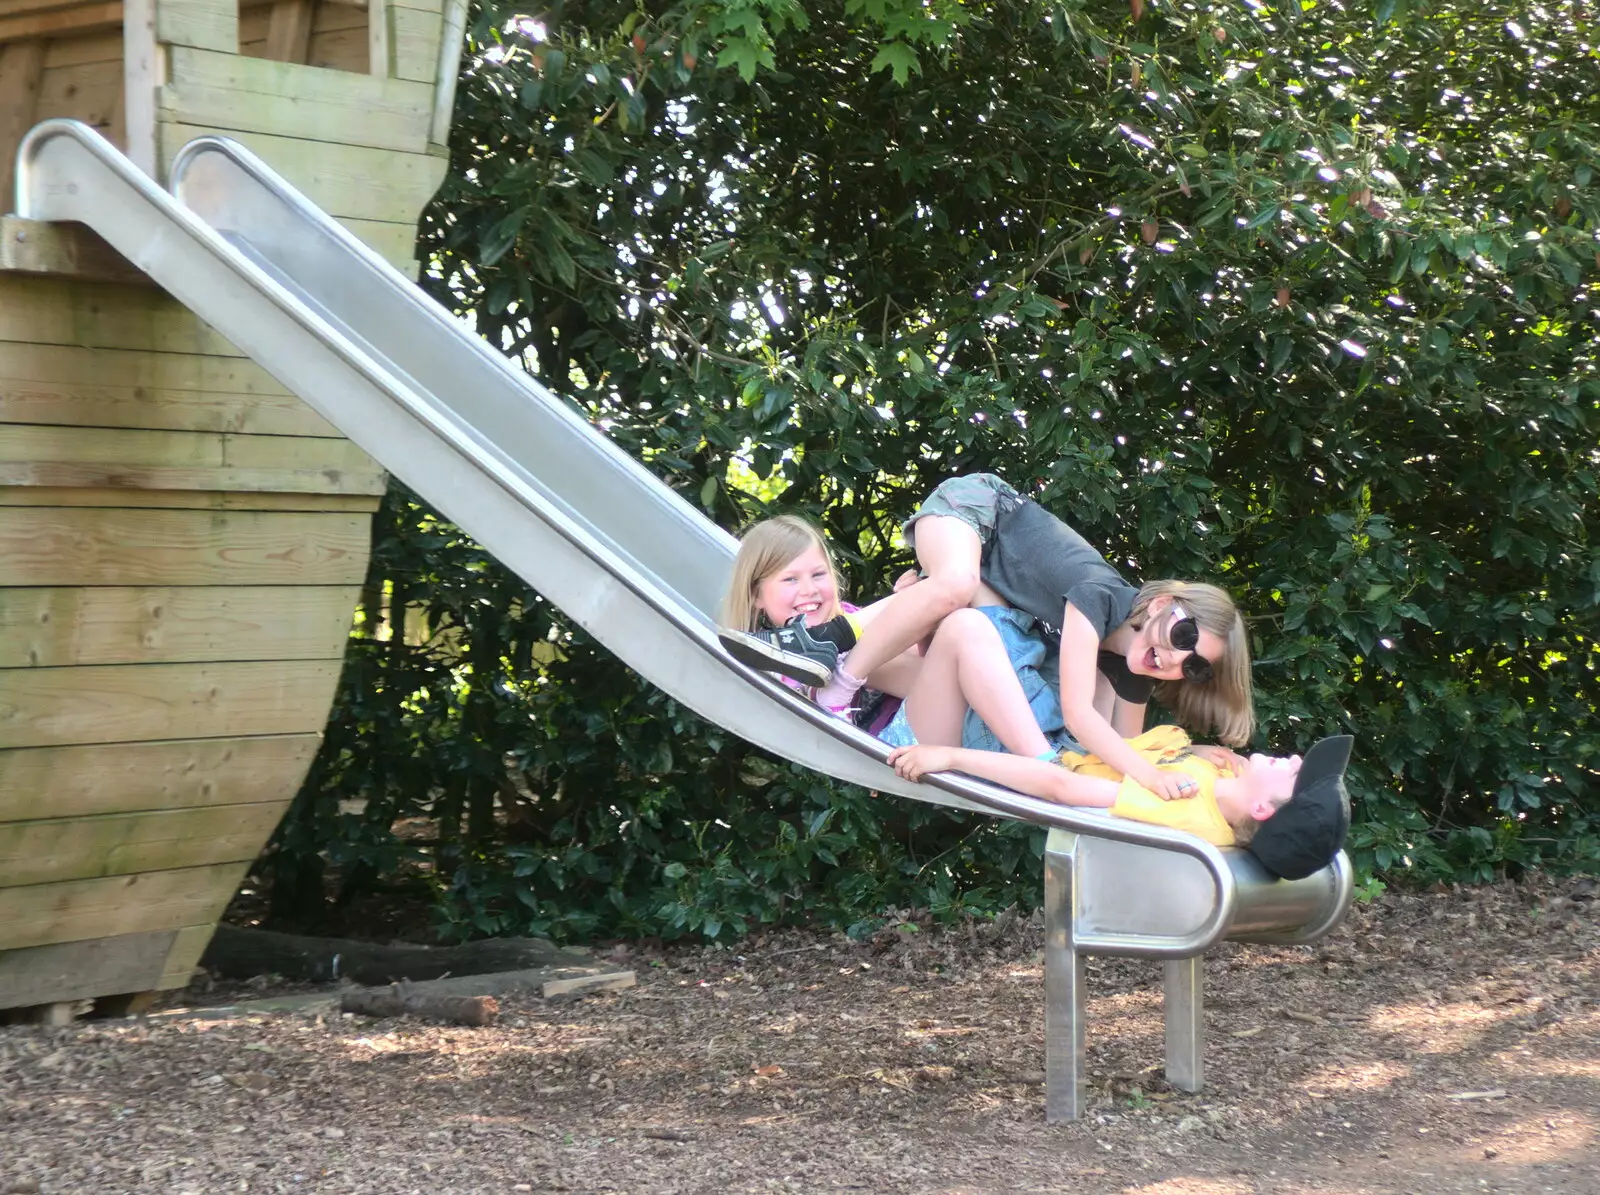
(1039, 564)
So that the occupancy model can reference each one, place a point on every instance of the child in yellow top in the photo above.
(1291, 813)
(1230, 797)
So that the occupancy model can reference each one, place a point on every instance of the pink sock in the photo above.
(840, 691)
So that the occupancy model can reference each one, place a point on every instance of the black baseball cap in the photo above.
(1309, 829)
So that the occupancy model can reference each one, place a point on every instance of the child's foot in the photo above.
(788, 651)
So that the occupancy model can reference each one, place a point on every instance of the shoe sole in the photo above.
(763, 657)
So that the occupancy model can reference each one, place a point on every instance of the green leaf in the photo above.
(1282, 346)
(595, 168)
(1265, 216)
(557, 259)
(502, 236)
(744, 55)
(899, 59)
(1402, 258)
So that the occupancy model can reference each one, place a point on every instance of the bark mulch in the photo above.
(1441, 1042)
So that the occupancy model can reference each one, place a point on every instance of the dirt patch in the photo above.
(1445, 1042)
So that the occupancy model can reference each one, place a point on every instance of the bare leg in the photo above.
(967, 666)
(898, 675)
(949, 551)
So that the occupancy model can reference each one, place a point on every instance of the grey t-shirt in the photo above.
(1039, 564)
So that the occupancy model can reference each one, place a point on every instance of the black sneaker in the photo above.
(788, 651)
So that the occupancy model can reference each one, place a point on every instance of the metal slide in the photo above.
(515, 466)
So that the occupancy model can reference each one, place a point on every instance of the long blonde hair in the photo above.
(1224, 703)
(765, 548)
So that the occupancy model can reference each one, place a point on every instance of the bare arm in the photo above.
(1035, 777)
(1080, 649)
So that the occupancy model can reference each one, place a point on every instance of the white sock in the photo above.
(838, 692)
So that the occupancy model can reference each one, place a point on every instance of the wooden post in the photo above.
(143, 74)
(444, 92)
(380, 58)
(289, 30)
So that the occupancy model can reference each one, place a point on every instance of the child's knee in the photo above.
(950, 590)
(969, 626)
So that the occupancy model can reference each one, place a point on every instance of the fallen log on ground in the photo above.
(237, 953)
(404, 999)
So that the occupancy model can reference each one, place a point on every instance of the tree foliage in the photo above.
(1298, 297)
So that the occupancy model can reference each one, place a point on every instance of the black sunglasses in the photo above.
(1183, 634)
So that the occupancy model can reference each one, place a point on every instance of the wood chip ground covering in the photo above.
(1443, 1043)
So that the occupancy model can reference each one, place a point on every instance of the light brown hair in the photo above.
(1244, 830)
(1224, 703)
(764, 548)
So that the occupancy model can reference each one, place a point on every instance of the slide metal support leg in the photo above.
(1185, 1014)
(1063, 986)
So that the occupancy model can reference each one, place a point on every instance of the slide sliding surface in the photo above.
(493, 450)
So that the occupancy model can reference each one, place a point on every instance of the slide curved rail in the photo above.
(494, 451)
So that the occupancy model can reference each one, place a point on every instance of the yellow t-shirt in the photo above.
(1168, 748)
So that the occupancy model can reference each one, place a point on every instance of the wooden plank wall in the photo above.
(181, 540)
(181, 548)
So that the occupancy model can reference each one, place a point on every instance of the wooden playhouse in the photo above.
(181, 539)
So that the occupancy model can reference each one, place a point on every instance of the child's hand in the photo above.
(1169, 786)
(1219, 757)
(907, 579)
(913, 763)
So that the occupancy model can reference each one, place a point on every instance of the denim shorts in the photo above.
(1038, 670)
(898, 732)
(1027, 652)
(977, 499)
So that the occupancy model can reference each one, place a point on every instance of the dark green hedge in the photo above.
(1292, 298)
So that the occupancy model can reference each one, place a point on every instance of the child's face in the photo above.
(1152, 654)
(1265, 783)
(803, 586)
(1271, 777)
